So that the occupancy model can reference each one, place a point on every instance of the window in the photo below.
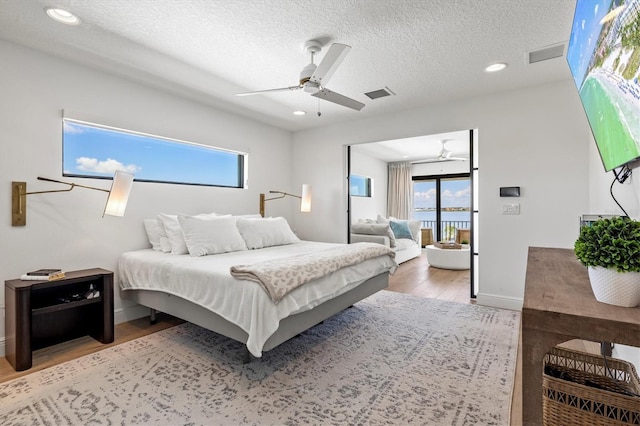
(360, 186)
(92, 150)
(443, 204)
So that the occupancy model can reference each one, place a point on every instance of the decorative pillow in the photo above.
(267, 232)
(414, 226)
(400, 229)
(211, 235)
(152, 227)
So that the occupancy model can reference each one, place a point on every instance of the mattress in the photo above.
(207, 282)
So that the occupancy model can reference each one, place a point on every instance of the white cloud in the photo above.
(426, 195)
(109, 166)
(70, 128)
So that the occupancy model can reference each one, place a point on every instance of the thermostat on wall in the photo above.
(509, 191)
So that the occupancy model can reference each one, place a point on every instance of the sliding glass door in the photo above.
(443, 203)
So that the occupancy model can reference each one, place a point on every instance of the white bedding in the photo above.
(206, 281)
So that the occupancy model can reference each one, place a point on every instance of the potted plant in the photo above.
(464, 244)
(610, 249)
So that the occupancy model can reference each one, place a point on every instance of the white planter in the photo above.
(615, 288)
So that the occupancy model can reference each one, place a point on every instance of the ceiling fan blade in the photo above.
(339, 99)
(333, 58)
(261, 92)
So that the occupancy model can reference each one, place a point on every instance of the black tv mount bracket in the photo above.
(623, 174)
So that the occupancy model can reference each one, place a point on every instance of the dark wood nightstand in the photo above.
(43, 313)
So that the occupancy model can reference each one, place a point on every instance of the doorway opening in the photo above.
(444, 166)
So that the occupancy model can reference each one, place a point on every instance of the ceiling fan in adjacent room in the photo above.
(444, 155)
(313, 78)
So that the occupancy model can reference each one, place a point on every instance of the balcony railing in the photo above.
(447, 228)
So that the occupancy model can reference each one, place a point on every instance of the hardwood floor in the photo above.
(414, 277)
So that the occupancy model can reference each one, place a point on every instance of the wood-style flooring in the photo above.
(414, 277)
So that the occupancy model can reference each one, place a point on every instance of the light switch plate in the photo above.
(511, 208)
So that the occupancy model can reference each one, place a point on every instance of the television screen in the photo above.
(604, 59)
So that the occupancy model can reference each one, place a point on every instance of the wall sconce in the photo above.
(115, 206)
(305, 199)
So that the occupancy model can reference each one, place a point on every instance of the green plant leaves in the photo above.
(610, 243)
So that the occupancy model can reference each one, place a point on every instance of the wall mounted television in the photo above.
(604, 58)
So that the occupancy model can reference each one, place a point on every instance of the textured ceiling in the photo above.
(426, 52)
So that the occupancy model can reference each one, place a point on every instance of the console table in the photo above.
(559, 306)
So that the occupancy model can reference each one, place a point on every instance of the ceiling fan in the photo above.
(444, 155)
(313, 78)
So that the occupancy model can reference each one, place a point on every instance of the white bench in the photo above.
(448, 258)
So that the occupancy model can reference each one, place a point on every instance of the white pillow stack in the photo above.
(210, 233)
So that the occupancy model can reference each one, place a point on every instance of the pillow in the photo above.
(400, 229)
(165, 245)
(392, 237)
(267, 232)
(152, 227)
(173, 232)
(414, 226)
(370, 228)
(211, 235)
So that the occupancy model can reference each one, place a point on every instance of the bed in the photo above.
(201, 290)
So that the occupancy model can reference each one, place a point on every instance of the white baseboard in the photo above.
(512, 303)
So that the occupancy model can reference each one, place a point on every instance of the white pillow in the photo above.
(211, 235)
(173, 232)
(390, 234)
(152, 227)
(165, 245)
(267, 232)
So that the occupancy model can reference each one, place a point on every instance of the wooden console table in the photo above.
(559, 306)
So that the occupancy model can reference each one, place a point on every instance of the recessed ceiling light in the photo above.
(62, 16)
(299, 112)
(498, 66)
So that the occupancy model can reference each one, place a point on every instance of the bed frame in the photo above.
(289, 327)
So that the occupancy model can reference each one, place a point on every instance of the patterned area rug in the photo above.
(390, 359)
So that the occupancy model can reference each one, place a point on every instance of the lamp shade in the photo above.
(119, 194)
(305, 202)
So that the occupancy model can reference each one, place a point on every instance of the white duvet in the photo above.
(206, 280)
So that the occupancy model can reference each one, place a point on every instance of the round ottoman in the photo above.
(448, 258)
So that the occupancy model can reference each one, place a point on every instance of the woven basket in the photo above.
(577, 390)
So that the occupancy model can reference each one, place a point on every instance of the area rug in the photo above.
(390, 359)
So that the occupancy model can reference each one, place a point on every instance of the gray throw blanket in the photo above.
(281, 276)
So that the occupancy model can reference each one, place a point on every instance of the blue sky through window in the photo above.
(455, 193)
(95, 151)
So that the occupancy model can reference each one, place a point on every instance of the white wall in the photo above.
(66, 230)
(535, 138)
(366, 165)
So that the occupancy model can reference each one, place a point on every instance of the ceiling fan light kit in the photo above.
(313, 78)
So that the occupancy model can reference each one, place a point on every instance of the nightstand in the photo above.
(43, 313)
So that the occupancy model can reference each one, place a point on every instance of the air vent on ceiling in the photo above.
(380, 93)
(545, 53)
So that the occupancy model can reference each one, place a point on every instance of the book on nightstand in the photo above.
(45, 272)
(49, 277)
